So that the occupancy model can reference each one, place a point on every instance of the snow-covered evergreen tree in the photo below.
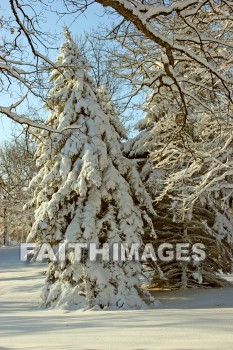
(188, 171)
(87, 191)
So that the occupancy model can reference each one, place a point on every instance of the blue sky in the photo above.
(92, 17)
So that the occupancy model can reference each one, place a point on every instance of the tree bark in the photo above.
(5, 226)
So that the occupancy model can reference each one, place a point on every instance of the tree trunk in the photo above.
(5, 226)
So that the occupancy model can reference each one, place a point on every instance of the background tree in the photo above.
(16, 170)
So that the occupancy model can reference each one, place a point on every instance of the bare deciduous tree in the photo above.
(194, 33)
(16, 170)
(22, 63)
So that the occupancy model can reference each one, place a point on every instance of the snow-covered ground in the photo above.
(187, 320)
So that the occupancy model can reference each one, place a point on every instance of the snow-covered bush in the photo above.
(187, 167)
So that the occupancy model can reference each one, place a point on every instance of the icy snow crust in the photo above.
(187, 320)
